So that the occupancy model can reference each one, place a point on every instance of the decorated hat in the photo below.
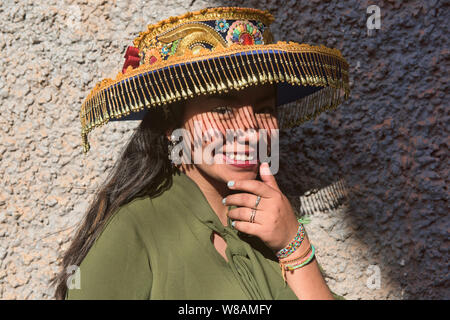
(212, 51)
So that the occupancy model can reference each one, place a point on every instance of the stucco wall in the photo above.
(388, 141)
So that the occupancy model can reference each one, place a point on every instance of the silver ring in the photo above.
(252, 216)
(258, 199)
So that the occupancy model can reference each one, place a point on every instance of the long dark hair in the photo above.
(142, 169)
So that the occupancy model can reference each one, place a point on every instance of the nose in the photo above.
(245, 118)
(247, 125)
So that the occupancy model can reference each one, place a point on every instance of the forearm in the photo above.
(307, 282)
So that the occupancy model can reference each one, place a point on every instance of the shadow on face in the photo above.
(226, 136)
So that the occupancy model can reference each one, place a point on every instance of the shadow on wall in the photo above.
(387, 141)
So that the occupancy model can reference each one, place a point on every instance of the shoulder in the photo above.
(121, 224)
(133, 225)
(129, 217)
(118, 264)
(121, 234)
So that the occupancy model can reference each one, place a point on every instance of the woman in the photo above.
(218, 228)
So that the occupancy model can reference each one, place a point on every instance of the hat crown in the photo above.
(206, 30)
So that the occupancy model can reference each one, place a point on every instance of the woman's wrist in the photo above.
(295, 242)
(300, 251)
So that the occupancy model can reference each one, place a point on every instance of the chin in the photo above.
(237, 175)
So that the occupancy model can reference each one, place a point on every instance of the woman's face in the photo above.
(224, 132)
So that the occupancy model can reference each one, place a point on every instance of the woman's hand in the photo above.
(275, 222)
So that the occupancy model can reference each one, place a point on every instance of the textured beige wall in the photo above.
(52, 54)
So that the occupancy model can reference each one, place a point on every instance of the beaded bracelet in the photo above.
(294, 244)
(288, 267)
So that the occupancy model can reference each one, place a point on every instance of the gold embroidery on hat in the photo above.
(191, 34)
(147, 38)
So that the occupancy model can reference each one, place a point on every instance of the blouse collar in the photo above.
(194, 199)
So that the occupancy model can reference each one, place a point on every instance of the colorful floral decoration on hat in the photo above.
(245, 33)
(260, 26)
(169, 49)
(222, 25)
(152, 56)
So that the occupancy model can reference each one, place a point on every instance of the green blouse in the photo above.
(161, 248)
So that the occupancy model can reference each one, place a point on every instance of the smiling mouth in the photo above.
(238, 157)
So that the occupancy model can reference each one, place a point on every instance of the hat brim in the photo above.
(309, 79)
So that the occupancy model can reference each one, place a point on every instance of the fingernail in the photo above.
(224, 200)
(233, 223)
(230, 183)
